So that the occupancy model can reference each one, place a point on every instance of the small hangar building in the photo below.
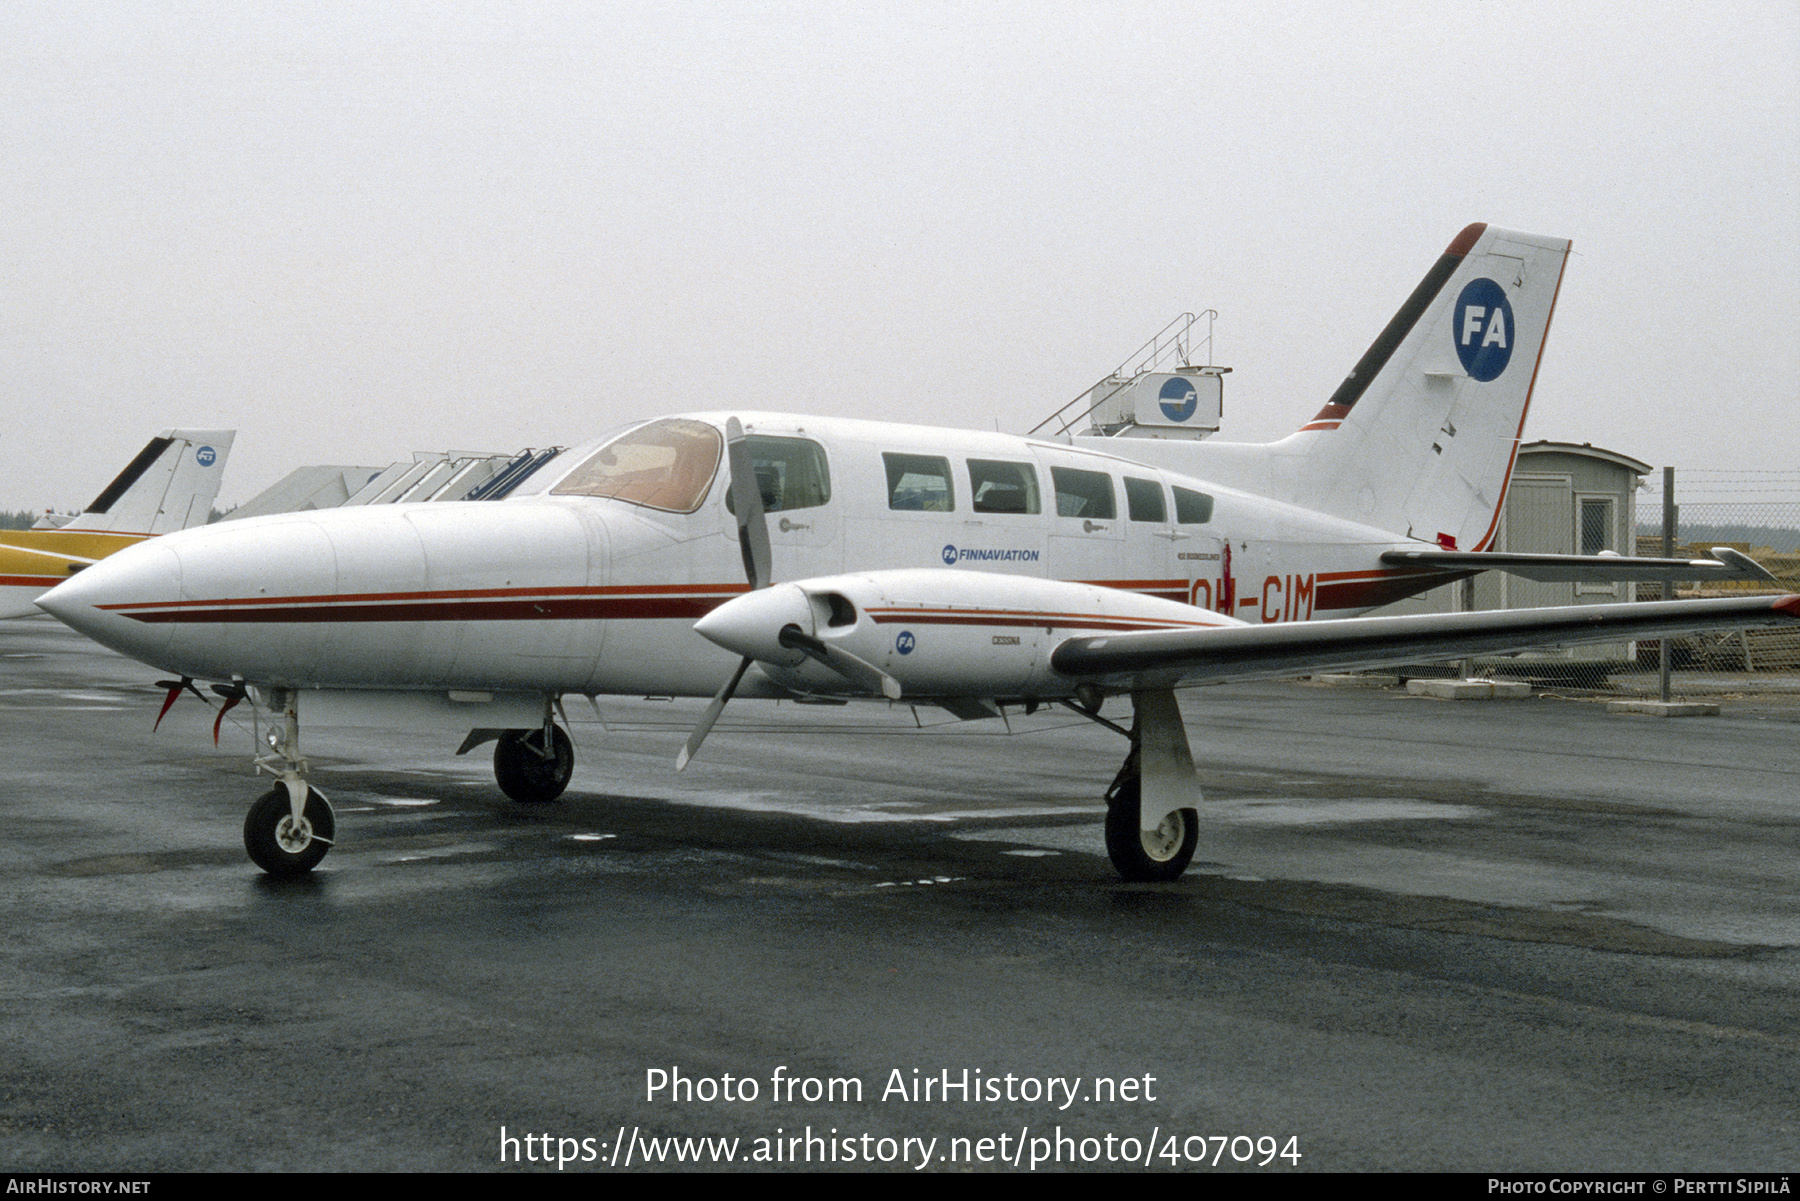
(1565, 499)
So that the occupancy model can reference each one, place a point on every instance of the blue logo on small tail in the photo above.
(206, 456)
(1483, 329)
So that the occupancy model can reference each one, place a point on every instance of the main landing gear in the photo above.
(530, 772)
(1148, 856)
(1154, 842)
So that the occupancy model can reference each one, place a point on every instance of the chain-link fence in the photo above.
(1755, 512)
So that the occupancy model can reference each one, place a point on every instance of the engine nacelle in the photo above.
(939, 633)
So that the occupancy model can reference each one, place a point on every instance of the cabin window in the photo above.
(1144, 500)
(1192, 508)
(667, 465)
(1083, 493)
(919, 483)
(791, 473)
(998, 487)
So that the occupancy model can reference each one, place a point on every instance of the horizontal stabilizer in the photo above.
(1726, 564)
(1172, 658)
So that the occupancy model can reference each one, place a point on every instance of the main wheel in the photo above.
(280, 846)
(1148, 855)
(525, 774)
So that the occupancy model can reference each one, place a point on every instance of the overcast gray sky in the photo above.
(354, 229)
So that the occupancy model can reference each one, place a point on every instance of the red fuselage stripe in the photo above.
(664, 602)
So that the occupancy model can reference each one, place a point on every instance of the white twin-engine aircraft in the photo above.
(932, 566)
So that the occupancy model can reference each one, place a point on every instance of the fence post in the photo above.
(1668, 550)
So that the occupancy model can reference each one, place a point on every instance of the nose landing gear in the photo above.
(281, 844)
(290, 827)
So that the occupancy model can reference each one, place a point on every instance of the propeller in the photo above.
(746, 498)
(233, 693)
(860, 672)
(713, 709)
(753, 541)
(176, 688)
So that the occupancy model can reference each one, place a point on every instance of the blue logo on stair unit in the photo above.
(1178, 399)
(206, 456)
(1483, 329)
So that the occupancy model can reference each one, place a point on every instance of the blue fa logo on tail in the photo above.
(1483, 329)
(206, 456)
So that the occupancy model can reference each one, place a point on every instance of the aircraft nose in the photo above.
(91, 600)
(182, 602)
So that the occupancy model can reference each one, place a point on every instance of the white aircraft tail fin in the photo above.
(170, 485)
(1420, 437)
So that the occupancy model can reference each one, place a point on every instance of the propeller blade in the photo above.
(233, 693)
(711, 715)
(176, 688)
(858, 671)
(746, 498)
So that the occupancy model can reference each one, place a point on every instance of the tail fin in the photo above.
(1420, 438)
(170, 485)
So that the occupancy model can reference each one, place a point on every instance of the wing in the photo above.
(1173, 658)
(1726, 564)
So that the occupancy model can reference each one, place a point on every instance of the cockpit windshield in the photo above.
(667, 465)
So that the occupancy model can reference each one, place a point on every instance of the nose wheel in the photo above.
(282, 845)
(284, 834)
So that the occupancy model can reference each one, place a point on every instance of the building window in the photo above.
(1596, 532)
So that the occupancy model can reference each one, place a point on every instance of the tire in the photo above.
(524, 774)
(275, 845)
(1148, 857)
